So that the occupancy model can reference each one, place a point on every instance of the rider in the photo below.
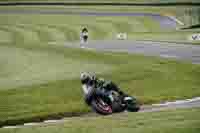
(84, 34)
(90, 82)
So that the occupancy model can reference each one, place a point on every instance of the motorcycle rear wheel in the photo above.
(133, 106)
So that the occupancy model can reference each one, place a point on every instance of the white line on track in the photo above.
(10, 127)
(31, 124)
(87, 48)
(168, 56)
(175, 19)
(53, 121)
(178, 102)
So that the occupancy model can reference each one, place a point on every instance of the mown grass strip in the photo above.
(179, 121)
(150, 79)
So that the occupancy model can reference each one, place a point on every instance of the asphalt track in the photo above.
(182, 52)
(165, 21)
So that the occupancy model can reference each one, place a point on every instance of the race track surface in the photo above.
(184, 52)
(165, 21)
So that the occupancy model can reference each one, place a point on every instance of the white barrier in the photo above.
(194, 37)
(122, 36)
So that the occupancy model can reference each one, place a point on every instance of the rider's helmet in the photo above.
(84, 30)
(87, 77)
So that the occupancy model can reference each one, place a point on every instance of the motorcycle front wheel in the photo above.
(99, 106)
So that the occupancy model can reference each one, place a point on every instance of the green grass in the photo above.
(35, 67)
(137, 1)
(37, 80)
(40, 76)
(61, 28)
(178, 121)
(67, 27)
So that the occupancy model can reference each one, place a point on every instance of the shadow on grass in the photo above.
(197, 26)
(42, 118)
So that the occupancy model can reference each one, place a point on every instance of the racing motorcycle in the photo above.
(111, 102)
(84, 37)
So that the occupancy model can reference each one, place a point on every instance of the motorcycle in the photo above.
(84, 37)
(110, 103)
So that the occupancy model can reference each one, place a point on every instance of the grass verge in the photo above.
(179, 121)
(137, 1)
(66, 27)
(60, 28)
(39, 92)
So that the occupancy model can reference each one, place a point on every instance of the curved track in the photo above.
(165, 21)
(184, 52)
(188, 103)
